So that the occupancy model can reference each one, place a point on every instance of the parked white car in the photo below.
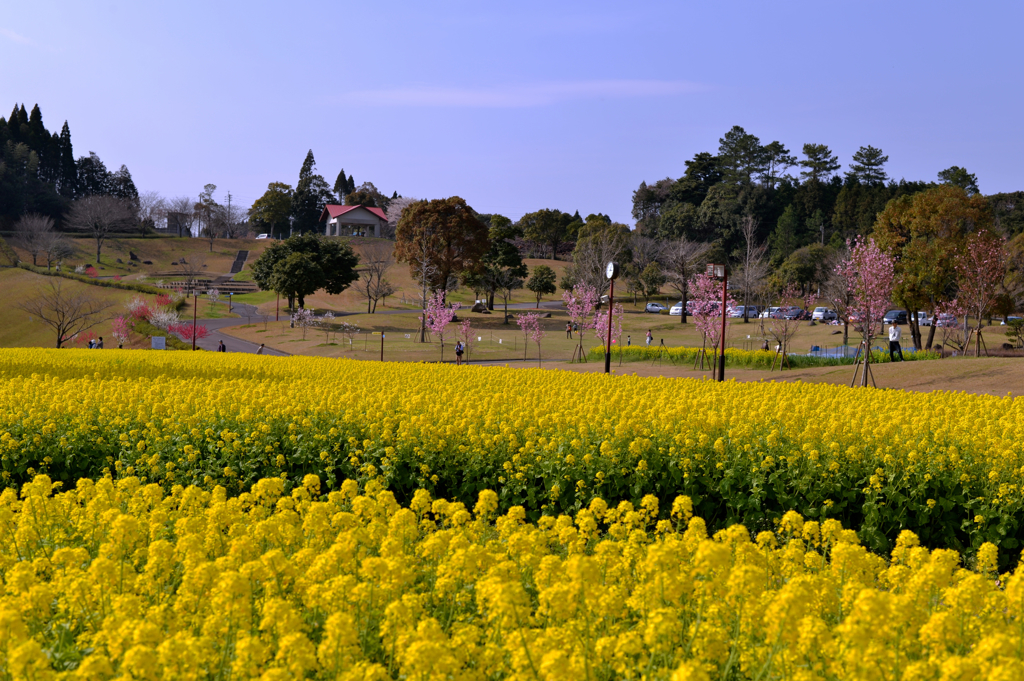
(768, 312)
(262, 236)
(824, 314)
(676, 310)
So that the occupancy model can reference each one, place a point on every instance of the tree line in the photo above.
(284, 210)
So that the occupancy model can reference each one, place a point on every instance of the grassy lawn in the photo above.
(499, 341)
(161, 251)
(19, 330)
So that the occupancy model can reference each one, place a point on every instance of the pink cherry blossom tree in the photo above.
(869, 272)
(580, 303)
(601, 327)
(979, 271)
(439, 317)
(706, 294)
(529, 324)
(465, 334)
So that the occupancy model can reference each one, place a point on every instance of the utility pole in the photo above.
(228, 216)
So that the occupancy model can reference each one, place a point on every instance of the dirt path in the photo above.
(984, 376)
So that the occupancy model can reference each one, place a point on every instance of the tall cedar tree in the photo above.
(312, 193)
(442, 237)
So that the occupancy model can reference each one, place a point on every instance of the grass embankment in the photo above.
(20, 330)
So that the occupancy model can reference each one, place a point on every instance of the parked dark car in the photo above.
(792, 312)
(898, 316)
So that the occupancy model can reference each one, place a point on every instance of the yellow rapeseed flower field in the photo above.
(949, 467)
(202, 516)
(120, 580)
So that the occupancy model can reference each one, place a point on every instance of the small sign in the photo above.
(382, 336)
(479, 339)
(408, 336)
(499, 341)
(159, 343)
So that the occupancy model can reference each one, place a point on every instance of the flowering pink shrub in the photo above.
(185, 330)
(121, 330)
(163, 300)
(90, 271)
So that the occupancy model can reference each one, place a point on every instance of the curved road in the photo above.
(230, 342)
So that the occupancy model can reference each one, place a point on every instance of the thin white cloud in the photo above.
(11, 35)
(528, 95)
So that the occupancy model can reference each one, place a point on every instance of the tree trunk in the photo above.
(490, 301)
(99, 243)
(846, 335)
(682, 312)
(931, 330)
(915, 330)
(506, 310)
(368, 299)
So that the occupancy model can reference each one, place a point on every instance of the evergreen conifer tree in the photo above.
(312, 193)
(341, 186)
(67, 174)
(868, 166)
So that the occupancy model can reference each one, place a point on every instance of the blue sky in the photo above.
(515, 108)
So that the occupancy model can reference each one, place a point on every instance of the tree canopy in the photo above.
(440, 239)
(304, 264)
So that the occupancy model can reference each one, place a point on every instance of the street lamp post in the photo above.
(229, 300)
(721, 272)
(195, 308)
(612, 272)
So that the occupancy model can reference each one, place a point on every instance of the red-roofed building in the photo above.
(353, 220)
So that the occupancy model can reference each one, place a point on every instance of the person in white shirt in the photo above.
(894, 342)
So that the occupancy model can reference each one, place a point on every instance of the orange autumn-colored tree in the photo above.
(927, 233)
(440, 239)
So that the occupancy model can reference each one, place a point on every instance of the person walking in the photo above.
(650, 338)
(894, 342)
(568, 330)
(99, 343)
(629, 341)
(221, 347)
(458, 353)
(259, 350)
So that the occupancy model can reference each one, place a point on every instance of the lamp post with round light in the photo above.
(612, 272)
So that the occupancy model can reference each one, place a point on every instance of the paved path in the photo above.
(231, 343)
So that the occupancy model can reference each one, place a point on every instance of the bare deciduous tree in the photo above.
(181, 215)
(230, 220)
(152, 210)
(55, 248)
(66, 311)
(754, 266)
(838, 289)
(507, 284)
(376, 259)
(191, 267)
(29, 233)
(681, 259)
(100, 215)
